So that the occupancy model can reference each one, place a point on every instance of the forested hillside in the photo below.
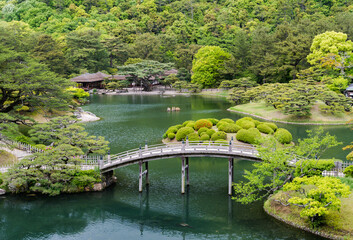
(267, 40)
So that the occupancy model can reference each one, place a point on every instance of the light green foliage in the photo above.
(313, 167)
(251, 135)
(264, 128)
(331, 50)
(210, 132)
(193, 136)
(78, 93)
(348, 171)
(338, 84)
(214, 121)
(274, 171)
(204, 137)
(323, 194)
(203, 123)
(208, 64)
(66, 130)
(283, 136)
(229, 127)
(246, 124)
(183, 132)
(172, 129)
(191, 124)
(202, 130)
(271, 125)
(219, 135)
(186, 122)
(171, 136)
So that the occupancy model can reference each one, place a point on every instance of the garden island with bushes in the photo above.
(246, 130)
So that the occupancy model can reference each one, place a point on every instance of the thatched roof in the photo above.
(119, 77)
(90, 77)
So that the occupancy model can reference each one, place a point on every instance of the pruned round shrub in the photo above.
(178, 126)
(229, 128)
(219, 135)
(191, 124)
(193, 137)
(171, 136)
(246, 124)
(248, 136)
(213, 121)
(348, 171)
(165, 135)
(283, 136)
(264, 128)
(210, 132)
(228, 120)
(186, 122)
(203, 123)
(271, 125)
(183, 132)
(204, 137)
(172, 129)
(257, 122)
(202, 130)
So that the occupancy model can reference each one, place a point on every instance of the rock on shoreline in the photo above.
(2, 192)
(85, 116)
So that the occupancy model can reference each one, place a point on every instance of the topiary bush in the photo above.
(204, 137)
(186, 122)
(283, 136)
(257, 123)
(348, 171)
(165, 135)
(213, 121)
(248, 136)
(272, 125)
(229, 128)
(228, 120)
(172, 129)
(210, 132)
(183, 132)
(178, 126)
(264, 128)
(193, 137)
(191, 124)
(219, 135)
(203, 123)
(171, 136)
(246, 124)
(202, 130)
(313, 167)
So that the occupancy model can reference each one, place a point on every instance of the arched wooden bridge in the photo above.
(185, 150)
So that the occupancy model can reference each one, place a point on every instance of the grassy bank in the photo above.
(339, 224)
(261, 110)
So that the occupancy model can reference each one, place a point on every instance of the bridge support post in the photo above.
(230, 176)
(146, 169)
(187, 171)
(140, 176)
(183, 175)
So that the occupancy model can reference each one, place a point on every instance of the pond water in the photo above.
(160, 212)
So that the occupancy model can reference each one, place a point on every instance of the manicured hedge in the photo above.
(171, 136)
(271, 125)
(186, 122)
(313, 167)
(203, 123)
(248, 136)
(219, 135)
(183, 132)
(246, 124)
(193, 137)
(191, 124)
(210, 132)
(172, 129)
(264, 128)
(229, 128)
(202, 130)
(283, 136)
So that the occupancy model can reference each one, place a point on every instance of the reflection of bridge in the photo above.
(183, 150)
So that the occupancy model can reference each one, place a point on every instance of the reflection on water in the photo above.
(160, 212)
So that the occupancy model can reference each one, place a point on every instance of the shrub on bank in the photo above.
(183, 132)
(204, 137)
(191, 124)
(348, 171)
(271, 125)
(171, 136)
(248, 135)
(219, 135)
(246, 124)
(229, 127)
(186, 123)
(283, 136)
(203, 123)
(193, 137)
(202, 130)
(172, 129)
(210, 132)
(264, 128)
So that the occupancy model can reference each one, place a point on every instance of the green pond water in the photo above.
(160, 212)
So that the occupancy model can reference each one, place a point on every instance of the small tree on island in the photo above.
(145, 73)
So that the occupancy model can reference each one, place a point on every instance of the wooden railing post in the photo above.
(109, 158)
(140, 151)
(230, 146)
(146, 146)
